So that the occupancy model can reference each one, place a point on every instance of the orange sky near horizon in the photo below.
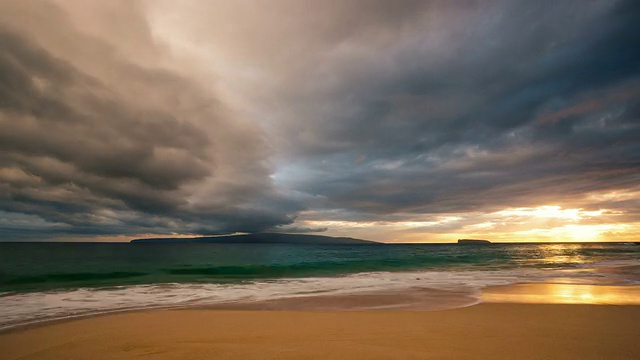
(548, 223)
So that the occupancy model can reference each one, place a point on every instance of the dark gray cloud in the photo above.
(155, 117)
(534, 104)
(140, 149)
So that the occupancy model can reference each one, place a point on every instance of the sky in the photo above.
(393, 121)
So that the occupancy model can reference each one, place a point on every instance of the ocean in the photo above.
(50, 281)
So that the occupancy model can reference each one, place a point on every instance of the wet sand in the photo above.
(485, 331)
(563, 294)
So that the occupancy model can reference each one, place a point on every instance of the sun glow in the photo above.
(547, 223)
(572, 232)
(555, 212)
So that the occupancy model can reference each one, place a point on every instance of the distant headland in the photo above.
(263, 238)
(473, 242)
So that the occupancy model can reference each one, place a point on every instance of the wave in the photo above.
(72, 277)
(25, 308)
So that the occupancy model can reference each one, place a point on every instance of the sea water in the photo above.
(48, 281)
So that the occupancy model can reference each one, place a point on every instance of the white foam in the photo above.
(18, 309)
(612, 263)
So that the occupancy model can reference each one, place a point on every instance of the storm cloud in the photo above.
(433, 118)
(94, 143)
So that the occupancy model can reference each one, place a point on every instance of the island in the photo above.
(473, 242)
(263, 238)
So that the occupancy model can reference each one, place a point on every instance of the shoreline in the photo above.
(486, 330)
(410, 300)
(606, 282)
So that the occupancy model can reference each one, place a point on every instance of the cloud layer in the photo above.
(97, 140)
(397, 121)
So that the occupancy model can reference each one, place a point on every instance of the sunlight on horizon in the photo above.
(545, 223)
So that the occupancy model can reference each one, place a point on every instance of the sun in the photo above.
(582, 232)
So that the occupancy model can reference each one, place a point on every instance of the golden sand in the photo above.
(486, 331)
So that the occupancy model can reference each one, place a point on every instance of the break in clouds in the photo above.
(208, 117)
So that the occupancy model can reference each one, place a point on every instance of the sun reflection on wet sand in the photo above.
(563, 294)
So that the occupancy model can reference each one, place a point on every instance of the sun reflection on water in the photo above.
(562, 254)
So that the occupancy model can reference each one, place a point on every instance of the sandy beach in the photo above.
(485, 331)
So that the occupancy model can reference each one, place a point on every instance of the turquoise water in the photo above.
(50, 266)
(43, 281)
